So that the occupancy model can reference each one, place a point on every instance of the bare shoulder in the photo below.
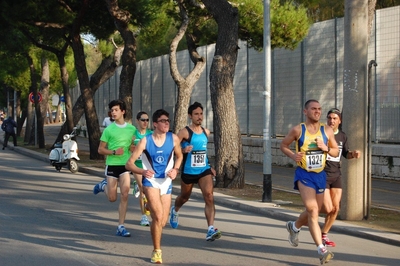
(183, 133)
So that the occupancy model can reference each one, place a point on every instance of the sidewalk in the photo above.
(282, 178)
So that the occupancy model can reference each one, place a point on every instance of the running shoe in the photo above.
(213, 234)
(173, 218)
(100, 187)
(136, 190)
(324, 255)
(156, 256)
(144, 221)
(328, 243)
(293, 236)
(121, 231)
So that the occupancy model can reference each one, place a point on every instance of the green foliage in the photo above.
(154, 39)
(320, 10)
(289, 23)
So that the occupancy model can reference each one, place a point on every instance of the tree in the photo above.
(227, 137)
(185, 85)
(121, 19)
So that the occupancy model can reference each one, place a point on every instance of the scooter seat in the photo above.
(58, 145)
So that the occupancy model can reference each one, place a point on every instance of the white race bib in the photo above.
(198, 159)
(315, 159)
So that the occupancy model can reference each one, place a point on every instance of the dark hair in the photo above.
(335, 111)
(139, 115)
(194, 106)
(121, 104)
(310, 101)
(157, 114)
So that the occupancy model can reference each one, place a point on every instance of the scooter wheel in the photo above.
(73, 166)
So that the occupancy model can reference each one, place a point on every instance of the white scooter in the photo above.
(65, 154)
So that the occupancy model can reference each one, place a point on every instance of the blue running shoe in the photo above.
(213, 234)
(121, 231)
(100, 187)
(173, 218)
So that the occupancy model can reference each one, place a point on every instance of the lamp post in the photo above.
(267, 158)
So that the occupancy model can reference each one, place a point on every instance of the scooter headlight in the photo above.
(66, 137)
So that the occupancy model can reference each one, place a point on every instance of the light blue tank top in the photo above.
(196, 161)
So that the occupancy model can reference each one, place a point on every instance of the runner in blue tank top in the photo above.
(159, 169)
(313, 142)
(196, 170)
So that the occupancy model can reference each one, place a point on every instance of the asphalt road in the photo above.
(51, 218)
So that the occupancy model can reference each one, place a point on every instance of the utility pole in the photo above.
(355, 109)
(267, 161)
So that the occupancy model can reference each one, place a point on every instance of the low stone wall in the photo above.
(385, 157)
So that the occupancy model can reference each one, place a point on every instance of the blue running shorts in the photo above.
(313, 180)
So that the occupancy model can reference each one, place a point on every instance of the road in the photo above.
(50, 218)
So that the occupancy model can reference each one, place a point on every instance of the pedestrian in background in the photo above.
(108, 120)
(8, 126)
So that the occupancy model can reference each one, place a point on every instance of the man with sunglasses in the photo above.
(196, 170)
(142, 121)
(333, 190)
(161, 159)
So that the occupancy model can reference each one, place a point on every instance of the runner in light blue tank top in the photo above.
(195, 162)
(196, 170)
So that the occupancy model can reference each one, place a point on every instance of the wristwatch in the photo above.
(113, 152)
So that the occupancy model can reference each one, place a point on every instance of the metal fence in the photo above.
(313, 70)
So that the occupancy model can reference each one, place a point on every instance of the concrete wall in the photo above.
(385, 157)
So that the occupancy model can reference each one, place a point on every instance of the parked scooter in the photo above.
(65, 154)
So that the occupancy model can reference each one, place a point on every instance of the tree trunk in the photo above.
(121, 19)
(30, 125)
(44, 90)
(371, 14)
(185, 85)
(227, 138)
(92, 121)
(104, 72)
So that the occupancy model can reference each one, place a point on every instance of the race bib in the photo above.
(334, 159)
(315, 160)
(198, 159)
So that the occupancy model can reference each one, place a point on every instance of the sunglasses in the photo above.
(144, 120)
(164, 121)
